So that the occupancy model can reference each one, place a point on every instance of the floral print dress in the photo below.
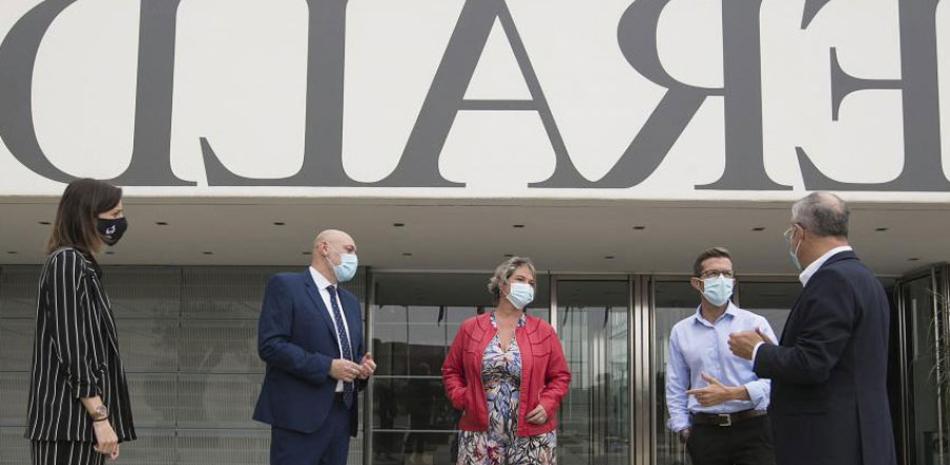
(500, 445)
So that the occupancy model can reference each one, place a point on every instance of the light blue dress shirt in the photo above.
(698, 346)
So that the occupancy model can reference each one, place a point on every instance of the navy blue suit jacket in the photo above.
(829, 401)
(297, 340)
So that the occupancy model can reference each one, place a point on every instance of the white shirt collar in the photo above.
(817, 264)
(320, 280)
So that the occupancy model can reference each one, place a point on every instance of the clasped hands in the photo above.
(348, 371)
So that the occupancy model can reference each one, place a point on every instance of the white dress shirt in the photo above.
(806, 275)
(322, 284)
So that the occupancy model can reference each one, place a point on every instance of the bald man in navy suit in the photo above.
(829, 403)
(310, 335)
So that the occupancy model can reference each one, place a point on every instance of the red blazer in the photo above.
(544, 373)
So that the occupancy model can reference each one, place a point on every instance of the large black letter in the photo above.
(745, 169)
(150, 163)
(922, 169)
(151, 148)
(742, 79)
(17, 59)
(419, 166)
(323, 143)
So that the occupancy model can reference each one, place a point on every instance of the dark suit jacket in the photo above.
(297, 340)
(75, 354)
(829, 401)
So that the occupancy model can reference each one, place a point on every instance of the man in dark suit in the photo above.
(310, 336)
(829, 395)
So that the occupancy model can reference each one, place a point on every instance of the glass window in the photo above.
(674, 301)
(188, 339)
(918, 298)
(593, 324)
(773, 300)
(415, 318)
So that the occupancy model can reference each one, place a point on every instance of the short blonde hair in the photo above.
(504, 271)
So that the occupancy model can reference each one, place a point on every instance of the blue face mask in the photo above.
(521, 295)
(718, 289)
(793, 253)
(347, 267)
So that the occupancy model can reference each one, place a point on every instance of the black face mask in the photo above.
(111, 230)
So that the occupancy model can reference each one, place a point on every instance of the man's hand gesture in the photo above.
(717, 393)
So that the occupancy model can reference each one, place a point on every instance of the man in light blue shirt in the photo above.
(716, 402)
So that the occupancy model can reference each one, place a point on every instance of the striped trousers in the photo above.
(64, 453)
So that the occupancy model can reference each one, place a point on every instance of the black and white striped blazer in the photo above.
(75, 354)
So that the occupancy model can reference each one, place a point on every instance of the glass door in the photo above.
(593, 323)
(412, 322)
(923, 331)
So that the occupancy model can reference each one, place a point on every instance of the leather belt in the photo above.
(725, 419)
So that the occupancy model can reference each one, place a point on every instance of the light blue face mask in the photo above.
(718, 289)
(347, 267)
(793, 253)
(520, 295)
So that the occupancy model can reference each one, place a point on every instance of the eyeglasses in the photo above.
(713, 273)
(791, 231)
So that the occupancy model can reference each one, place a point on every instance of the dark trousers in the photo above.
(64, 453)
(329, 445)
(747, 442)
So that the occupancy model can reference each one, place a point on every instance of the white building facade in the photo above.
(611, 142)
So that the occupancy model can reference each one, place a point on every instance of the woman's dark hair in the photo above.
(82, 203)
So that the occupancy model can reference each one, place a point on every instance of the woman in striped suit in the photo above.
(79, 407)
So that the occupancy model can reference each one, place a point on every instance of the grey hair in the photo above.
(823, 214)
(504, 271)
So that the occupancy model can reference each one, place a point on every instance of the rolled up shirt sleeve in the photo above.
(759, 393)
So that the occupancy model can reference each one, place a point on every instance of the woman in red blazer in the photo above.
(506, 372)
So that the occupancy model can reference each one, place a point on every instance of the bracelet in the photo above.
(101, 419)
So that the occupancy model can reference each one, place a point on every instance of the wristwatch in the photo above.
(101, 413)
